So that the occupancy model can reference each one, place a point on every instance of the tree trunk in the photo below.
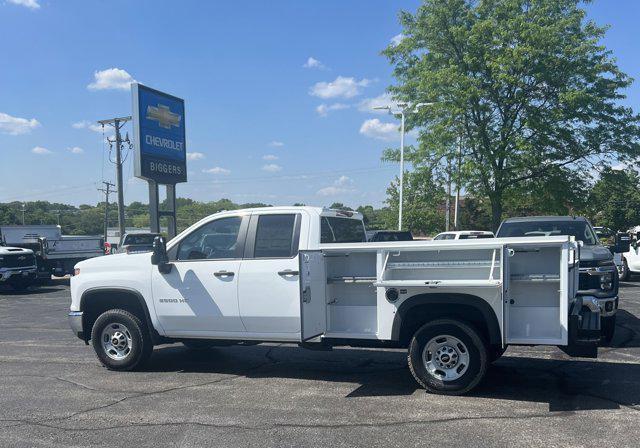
(496, 210)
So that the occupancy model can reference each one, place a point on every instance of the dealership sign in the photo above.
(159, 136)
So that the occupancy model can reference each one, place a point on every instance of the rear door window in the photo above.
(276, 236)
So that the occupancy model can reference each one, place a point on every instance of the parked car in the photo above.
(598, 276)
(17, 266)
(389, 235)
(137, 242)
(305, 275)
(631, 257)
(464, 235)
(616, 242)
(56, 254)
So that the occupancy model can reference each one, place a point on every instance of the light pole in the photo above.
(402, 111)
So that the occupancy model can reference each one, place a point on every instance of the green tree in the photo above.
(423, 210)
(615, 199)
(525, 84)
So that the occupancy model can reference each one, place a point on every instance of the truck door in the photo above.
(313, 308)
(269, 287)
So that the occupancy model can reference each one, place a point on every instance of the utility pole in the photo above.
(106, 192)
(447, 206)
(117, 124)
(457, 205)
(24, 208)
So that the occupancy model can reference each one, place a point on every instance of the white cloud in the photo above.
(111, 78)
(195, 156)
(76, 150)
(341, 185)
(31, 4)
(395, 40)
(324, 109)
(40, 150)
(314, 63)
(95, 127)
(269, 157)
(16, 126)
(341, 87)
(272, 168)
(382, 100)
(375, 128)
(217, 170)
(276, 144)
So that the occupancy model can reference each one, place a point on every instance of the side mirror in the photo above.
(623, 242)
(159, 256)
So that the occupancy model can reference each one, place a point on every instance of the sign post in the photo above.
(160, 153)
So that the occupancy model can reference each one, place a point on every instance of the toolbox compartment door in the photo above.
(313, 306)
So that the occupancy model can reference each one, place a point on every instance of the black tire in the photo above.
(20, 284)
(474, 344)
(607, 329)
(141, 345)
(495, 352)
(625, 271)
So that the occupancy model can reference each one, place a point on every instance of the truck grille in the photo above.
(587, 281)
(18, 260)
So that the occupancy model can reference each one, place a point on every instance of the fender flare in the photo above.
(130, 291)
(469, 300)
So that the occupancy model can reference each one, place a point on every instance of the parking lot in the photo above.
(53, 392)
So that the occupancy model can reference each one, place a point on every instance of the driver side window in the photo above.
(219, 239)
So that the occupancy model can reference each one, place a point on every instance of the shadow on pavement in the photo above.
(565, 385)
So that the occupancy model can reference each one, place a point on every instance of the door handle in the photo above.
(288, 273)
(224, 274)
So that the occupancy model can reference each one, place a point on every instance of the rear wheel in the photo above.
(448, 356)
(121, 341)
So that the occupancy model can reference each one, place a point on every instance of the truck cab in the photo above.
(307, 276)
(598, 279)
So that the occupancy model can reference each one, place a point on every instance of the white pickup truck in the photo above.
(305, 275)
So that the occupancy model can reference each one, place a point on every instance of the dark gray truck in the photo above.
(598, 279)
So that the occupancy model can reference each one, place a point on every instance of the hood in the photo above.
(6, 250)
(595, 253)
(118, 260)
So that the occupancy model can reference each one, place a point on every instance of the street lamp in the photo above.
(404, 108)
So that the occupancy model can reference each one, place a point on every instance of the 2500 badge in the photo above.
(174, 300)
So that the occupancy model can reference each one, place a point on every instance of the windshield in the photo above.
(579, 229)
(341, 230)
(142, 239)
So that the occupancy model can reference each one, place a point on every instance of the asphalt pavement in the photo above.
(54, 393)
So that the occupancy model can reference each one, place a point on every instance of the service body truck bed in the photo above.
(269, 275)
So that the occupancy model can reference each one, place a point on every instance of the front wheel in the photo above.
(20, 284)
(448, 356)
(121, 341)
(624, 275)
(607, 329)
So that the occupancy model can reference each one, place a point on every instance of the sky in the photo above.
(278, 94)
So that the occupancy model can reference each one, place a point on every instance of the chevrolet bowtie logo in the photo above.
(164, 116)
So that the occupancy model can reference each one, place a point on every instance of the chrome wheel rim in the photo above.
(446, 357)
(116, 341)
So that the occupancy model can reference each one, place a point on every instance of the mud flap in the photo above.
(584, 331)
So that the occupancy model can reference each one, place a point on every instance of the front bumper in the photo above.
(75, 322)
(608, 305)
(26, 272)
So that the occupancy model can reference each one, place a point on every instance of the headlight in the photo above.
(606, 281)
(604, 263)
